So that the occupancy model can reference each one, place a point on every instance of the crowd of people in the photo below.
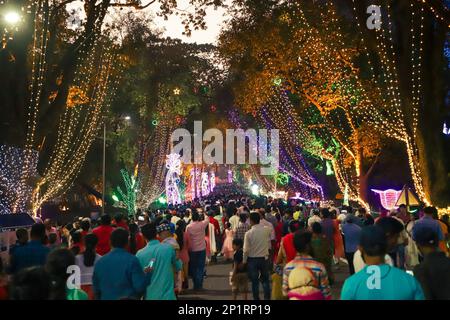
(291, 248)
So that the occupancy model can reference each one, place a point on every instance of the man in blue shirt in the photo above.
(118, 274)
(379, 281)
(160, 259)
(351, 233)
(34, 253)
(428, 222)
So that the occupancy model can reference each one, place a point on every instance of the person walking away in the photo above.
(239, 278)
(234, 219)
(137, 241)
(392, 229)
(227, 248)
(165, 236)
(86, 261)
(433, 272)
(322, 250)
(118, 274)
(378, 280)
(34, 253)
(351, 233)
(76, 245)
(411, 250)
(338, 240)
(287, 250)
(428, 221)
(160, 260)
(309, 279)
(197, 249)
(242, 227)
(256, 254)
(183, 242)
(314, 218)
(103, 233)
(58, 263)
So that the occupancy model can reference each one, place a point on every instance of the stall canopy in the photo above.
(16, 220)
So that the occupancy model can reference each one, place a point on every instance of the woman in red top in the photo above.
(137, 241)
(287, 250)
(103, 233)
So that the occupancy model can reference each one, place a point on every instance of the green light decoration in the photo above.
(162, 200)
(277, 81)
(155, 122)
(129, 198)
(330, 171)
(115, 198)
(282, 179)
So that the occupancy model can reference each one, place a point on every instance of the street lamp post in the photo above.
(104, 168)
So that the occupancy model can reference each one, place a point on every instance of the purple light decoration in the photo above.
(388, 198)
(212, 181)
(230, 176)
(205, 184)
(173, 165)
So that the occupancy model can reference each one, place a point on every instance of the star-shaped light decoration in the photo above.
(177, 91)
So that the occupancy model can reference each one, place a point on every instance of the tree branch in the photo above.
(134, 4)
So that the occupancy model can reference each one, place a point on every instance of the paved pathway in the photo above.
(217, 287)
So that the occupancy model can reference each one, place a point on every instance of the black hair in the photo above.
(316, 228)
(21, 233)
(90, 242)
(85, 225)
(105, 220)
(243, 217)
(369, 221)
(58, 261)
(119, 238)
(302, 240)
(293, 226)
(30, 284)
(134, 229)
(118, 217)
(238, 242)
(52, 237)
(390, 225)
(77, 236)
(325, 213)
(179, 231)
(373, 241)
(255, 217)
(195, 216)
(149, 231)
(38, 231)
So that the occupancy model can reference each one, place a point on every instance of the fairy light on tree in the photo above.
(173, 166)
(129, 195)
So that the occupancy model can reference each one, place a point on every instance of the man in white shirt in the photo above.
(392, 228)
(234, 220)
(256, 254)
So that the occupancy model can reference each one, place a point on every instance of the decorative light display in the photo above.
(255, 189)
(15, 192)
(394, 123)
(282, 179)
(388, 198)
(173, 165)
(205, 184)
(212, 181)
(129, 196)
(230, 176)
(445, 130)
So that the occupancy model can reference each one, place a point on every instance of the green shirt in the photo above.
(381, 282)
(76, 294)
(161, 285)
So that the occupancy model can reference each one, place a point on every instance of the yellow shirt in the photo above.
(296, 215)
